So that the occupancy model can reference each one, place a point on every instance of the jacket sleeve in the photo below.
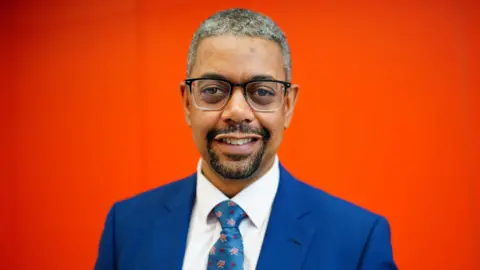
(377, 253)
(106, 250)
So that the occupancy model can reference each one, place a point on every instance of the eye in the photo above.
(263, 92)
(212, 91)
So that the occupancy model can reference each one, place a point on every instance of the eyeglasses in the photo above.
(214, 94)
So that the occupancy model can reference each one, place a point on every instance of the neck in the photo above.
(231, 187)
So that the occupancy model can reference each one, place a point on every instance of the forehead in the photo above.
(239, 58)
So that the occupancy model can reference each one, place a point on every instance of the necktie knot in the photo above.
(229, 214)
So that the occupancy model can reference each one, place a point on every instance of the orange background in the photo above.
(387, 118)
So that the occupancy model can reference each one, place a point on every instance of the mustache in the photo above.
(240, 128)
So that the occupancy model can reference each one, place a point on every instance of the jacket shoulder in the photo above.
(150, 203)
(335, 210)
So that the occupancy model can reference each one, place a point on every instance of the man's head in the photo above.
(237, 98)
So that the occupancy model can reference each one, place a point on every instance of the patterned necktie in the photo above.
(227, 253)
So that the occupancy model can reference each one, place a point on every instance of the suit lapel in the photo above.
(170, 230)
(287, 239)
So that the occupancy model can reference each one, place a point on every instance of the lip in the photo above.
(235, 149)
(237, 136)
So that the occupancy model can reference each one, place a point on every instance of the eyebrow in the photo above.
(216, 76)
(213, 76)
(262, 77)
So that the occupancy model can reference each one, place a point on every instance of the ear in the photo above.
(290, 102)
(185, 91)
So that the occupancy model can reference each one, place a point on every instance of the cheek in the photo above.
(273, 123)
(202, 122)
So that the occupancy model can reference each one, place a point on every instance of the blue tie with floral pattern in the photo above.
(227, 253)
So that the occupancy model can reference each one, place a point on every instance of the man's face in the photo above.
(217, 133)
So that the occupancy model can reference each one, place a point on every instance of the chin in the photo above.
(237, 167)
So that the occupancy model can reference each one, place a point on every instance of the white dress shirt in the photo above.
(256, 200)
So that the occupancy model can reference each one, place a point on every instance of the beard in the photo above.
(243, 167)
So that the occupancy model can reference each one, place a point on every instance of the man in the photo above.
(241, 209)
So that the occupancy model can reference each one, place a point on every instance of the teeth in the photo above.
(236, 141)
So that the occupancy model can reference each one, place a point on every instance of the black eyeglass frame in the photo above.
(285, 84)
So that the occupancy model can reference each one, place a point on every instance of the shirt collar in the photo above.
(256, 199)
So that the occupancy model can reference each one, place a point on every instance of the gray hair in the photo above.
(240, 22)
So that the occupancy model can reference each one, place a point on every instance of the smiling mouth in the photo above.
(237, 139)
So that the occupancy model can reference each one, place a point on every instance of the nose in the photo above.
(237, 109)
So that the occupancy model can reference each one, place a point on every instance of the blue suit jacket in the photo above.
(308, 229)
